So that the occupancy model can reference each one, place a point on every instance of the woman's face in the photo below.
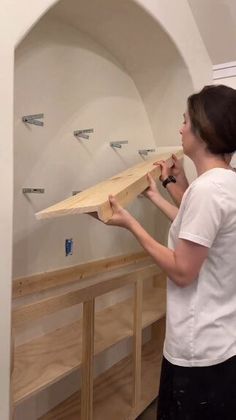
(190, 141)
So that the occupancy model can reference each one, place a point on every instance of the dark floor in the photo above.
(149, 413)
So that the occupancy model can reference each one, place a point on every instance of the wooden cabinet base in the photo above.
(47, 359)
(113, 390)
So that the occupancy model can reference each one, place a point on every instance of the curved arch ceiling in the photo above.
(123, 28)
(139, 44)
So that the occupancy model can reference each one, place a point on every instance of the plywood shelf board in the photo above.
(125, 186)
(113, 389)
(47, 359)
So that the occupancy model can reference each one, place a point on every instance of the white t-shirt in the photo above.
(201, 318)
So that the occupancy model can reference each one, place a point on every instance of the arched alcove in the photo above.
(105, 65)
(101, 64)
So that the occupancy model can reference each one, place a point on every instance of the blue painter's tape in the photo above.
(69, 246)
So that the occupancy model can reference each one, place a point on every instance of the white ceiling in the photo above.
(216, 20)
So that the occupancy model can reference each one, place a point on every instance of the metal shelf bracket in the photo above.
(33, 190)
(118, 144)
(33, 119)
(84, 134)
(144, 152)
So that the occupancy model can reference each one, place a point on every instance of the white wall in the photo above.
(76, 84)
(216, 20)
(6, 185)
(62, 72)
(228, 81)
(176, 18)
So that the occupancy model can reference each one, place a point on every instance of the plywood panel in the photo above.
(113, 389)
(125, 186)
(45, 360)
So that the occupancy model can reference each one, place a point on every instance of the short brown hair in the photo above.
(212, 113)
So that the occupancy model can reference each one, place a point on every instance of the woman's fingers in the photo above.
(159, 162)
(164, 170)
(152, 185)
(150, 179)
(114, 204)
(174, 157)
(115, 208)
(120, 216)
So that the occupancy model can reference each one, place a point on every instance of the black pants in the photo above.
(197, 393)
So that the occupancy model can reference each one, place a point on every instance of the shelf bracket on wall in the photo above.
(144, 152)
(33, 119)
(33, 190)
(118, 144)
(84, 134)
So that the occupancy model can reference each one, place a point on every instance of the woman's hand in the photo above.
(120, 217)
(152, 191)
(176, 190)
(176, 170)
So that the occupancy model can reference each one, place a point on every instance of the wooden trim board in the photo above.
(125, 186)
(24, 286)
(89, 288)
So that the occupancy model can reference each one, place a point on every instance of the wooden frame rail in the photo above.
(24, 286)
(92, 287)
(87, 360)
(137, 347)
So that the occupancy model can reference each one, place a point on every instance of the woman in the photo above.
(198, 379)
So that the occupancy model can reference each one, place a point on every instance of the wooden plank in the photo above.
(125, 186)
(24, 286)
(150, 387)
(160, 283)
(137, 343)
(89, 288)
(87, 360)
(47, 359)
(113, 389)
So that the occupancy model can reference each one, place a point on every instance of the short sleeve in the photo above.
(203, 214)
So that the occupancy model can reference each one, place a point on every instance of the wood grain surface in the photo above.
(45, 360)
(125, 186)
(113, 389)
